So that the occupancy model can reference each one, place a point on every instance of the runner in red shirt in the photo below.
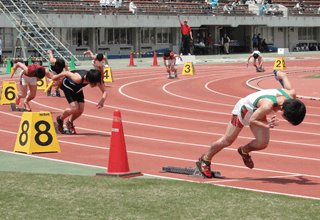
(169, 60)
(186, 35)
(28, 78)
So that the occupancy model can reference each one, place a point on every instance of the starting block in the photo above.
(14, 108)
(65, 131)
(190, 171)
(259, 70)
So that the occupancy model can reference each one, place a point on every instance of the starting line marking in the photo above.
(257, 178)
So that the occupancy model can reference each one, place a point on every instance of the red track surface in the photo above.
(173, 122)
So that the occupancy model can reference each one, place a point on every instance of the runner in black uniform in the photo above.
(56, 67)
(72, 85)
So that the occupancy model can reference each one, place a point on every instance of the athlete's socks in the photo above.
(206, 159)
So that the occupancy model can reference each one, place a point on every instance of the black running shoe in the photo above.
(49, 92)
(58, 93)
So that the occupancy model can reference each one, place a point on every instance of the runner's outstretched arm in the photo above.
(90, 53)
(104, 95)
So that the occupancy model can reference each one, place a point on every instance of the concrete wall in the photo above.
(279, 36)
(240, 28)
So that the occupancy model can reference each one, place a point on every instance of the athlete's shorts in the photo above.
(97, 64)
(26, 80)
(236, 122)
(72, 96)
(170, 63)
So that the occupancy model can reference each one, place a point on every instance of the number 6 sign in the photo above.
(8, 93)
(36, 134)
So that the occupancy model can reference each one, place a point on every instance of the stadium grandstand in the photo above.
(70, 27)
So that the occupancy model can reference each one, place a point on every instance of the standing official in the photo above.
(186, 35)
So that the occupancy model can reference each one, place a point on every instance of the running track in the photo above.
(173, 122)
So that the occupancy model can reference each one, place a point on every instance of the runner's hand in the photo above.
(100, 104)
(274, 121)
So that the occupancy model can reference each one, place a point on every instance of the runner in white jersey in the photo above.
(247, 106)
(98, 62)
(256, 56)
(252, 111)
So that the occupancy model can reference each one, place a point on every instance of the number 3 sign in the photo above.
(36, 134)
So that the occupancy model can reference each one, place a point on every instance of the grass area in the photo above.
(313, 76)
(55, 196)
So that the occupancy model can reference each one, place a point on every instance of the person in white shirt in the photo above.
(298, 48)
(133, 8)
(248, 2)
(227, 8)
(117, 5)
(256, 56)
(99, 62)
(201, 44)
(270, 10)
(103, 5)
(276, 11)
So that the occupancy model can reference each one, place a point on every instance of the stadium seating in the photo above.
(163, 7)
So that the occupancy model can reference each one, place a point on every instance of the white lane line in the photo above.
(178, 107)
(271, 192)
(248, 178)
(198, 145)
(223, 94)
(181, 159)
(194, 131)
(164, 177)
(197, 100)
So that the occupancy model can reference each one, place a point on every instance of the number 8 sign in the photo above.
(36, 134)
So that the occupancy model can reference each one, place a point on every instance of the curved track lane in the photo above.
(172, 122)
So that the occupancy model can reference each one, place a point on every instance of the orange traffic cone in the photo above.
(131, 60)
(155, 61)
(118, 165)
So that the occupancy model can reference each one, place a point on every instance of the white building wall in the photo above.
(279, 34)
(293, 38)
